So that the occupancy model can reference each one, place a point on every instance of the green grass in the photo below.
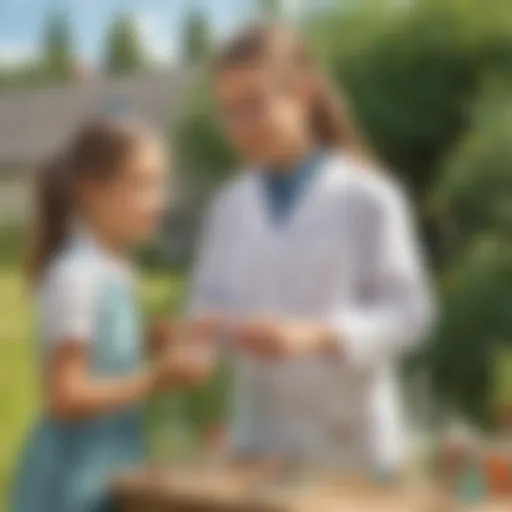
(161, 293)
(18, 377)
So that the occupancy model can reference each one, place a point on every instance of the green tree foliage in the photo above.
(202, 148)
(412, 73)
(474, 192)
(125, 52)
(475, 321)
(59, 62)
(197, 43)
(473, 200)
(55, 65)
(271, 8)
(24, 76)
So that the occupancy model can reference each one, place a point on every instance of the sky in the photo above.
(159, 21)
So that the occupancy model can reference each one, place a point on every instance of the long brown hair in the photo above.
(290, 57)
(96, 151)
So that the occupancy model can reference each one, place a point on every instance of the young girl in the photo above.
(312, 251)
(98, 198)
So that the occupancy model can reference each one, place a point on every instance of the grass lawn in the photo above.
(161, 293)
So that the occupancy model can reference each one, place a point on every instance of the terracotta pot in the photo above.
(498, 472)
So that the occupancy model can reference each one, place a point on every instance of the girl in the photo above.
(98, 198)
(311, 247)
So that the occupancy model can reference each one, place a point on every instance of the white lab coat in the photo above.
(347, 256)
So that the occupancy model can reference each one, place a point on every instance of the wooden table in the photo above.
(238, 491)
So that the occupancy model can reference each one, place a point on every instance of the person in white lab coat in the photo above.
(309, 253)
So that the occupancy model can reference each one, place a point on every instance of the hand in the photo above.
(184, 364)
(282, 339)
(161, 334)
(208, 327)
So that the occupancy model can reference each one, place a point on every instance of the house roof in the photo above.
(35, 122)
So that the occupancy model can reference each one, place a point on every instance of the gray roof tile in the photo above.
(34, 122)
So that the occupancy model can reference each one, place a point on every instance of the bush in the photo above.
(411, 74)
(202, 150)
(473, 200)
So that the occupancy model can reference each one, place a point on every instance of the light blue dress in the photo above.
(66, 466)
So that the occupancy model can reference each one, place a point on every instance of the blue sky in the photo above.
(159, 21)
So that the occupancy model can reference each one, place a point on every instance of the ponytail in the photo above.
(96, 152)
(332, 125)
(53, 208)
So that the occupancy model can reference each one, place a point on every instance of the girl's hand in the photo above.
(184, 364)
(282, 339)
(165, 332)
(161, 334)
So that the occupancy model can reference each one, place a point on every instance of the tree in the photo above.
(473, 199)
(24, 76)
(271, 8)
(474, 193)
(58, 54)
(197, 41)
(203, 149)
(411, 74)
(125, 52)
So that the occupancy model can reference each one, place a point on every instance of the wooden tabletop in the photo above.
(153, 490)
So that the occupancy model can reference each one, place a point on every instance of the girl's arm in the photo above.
(74, 394)
(68, 304)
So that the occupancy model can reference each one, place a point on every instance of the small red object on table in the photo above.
(498, 472)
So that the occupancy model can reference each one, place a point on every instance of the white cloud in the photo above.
(291, 7)
(12, 54)
(156, 35)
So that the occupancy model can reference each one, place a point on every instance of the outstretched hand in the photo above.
(161, 334)
(282, 339)
(185, 364)
(209, 327)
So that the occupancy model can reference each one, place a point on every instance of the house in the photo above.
(35, 122)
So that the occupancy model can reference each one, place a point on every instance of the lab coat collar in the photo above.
(284, 190)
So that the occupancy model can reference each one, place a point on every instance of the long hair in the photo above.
(96, 151)
(288, 58)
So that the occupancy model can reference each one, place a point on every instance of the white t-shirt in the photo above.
(68, 295)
